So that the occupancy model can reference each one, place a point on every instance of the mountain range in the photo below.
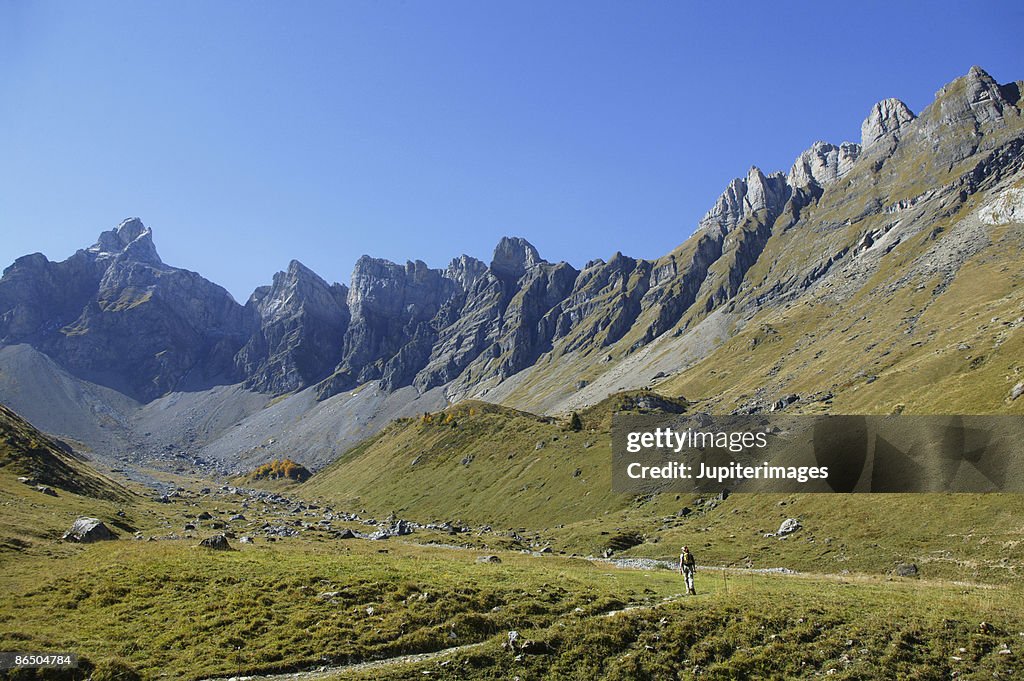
(875, 277)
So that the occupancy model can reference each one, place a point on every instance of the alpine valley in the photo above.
(409, 475)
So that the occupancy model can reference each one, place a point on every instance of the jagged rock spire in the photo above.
(886, 118)
(132, 238)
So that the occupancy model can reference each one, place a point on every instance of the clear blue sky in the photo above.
(250, 133)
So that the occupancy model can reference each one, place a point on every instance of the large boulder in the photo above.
(789, 526)
(86, 530)
(218, 542)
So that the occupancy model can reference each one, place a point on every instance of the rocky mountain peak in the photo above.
(131, 239)
(822, 164)
(765, 191)
(297, 269)
(299, 285)
(977, 92)
(465, 270)
(301, 320)
(886, 118)
(513, 256)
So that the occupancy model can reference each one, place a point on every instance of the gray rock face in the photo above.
(116, 315)
(887, 117)
(959, 122)
(302, 322)
(86, 530)
(513, 257)
(822, 164)
(414, 325)
(392, 307)
(586, 316)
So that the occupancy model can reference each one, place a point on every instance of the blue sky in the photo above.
(250, 133)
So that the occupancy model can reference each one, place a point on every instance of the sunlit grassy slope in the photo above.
(487, 465)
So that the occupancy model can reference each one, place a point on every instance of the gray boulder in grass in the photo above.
(218, 542)
(86, 530)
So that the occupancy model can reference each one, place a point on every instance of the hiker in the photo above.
(687, 568)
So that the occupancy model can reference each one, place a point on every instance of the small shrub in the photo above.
(283, 469)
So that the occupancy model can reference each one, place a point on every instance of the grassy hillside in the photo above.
(32, 519)
(26, 452)
(758, 627)
(170, 609)
(492, 466)
(932, 345)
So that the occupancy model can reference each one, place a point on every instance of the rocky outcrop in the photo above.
(822, 164)
(514, 257)
(886, 119)
(604, 302)
(392, 307)
(301, 322)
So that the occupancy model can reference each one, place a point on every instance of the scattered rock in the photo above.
(218, 542)
(789, 526)
(531, 647)
(906, 570)
(346, 534)
(1017, 391)
(86, 530)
